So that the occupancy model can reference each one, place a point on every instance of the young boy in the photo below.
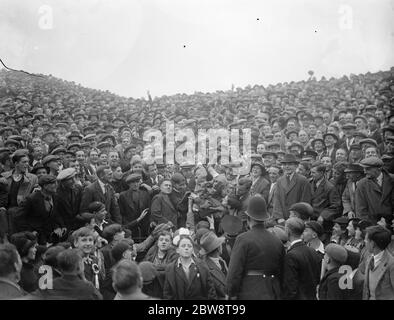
(84, 240)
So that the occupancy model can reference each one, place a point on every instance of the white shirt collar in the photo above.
(380, 179)
(321, 248)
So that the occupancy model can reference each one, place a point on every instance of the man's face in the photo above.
(86, 244)
(187, 172)
(37, 153)
(25, 134)
(185, 248)
(340, 155)
(23, 164)
(181, 187)
(260, 148)
(273, 174)
(117, 173)
(54, 165)
(103, 158)
(107, 176)
(303, 136)
(80, 155)
(359, 124)
(94, 158)
(135, 185)
(291, 125)
(312, 130)
(353, 176)
(318, 146)
(327, 118)
(164, 243)
(277, 137)
(63, 141)
(289, 168)
(371, 152)
(152, 171)
(327, 162)
(113, 157)
(329, 141)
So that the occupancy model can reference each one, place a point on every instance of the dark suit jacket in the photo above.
(162, 210)
(377, 136)
(218, 277)
(301, 273)
(93, 193)
(373, 202)
(332, 155)
(299, 191)
(325, 200)
(256, 249)
(329, 286)
(261, 186)
(198, 287)
(131, 205)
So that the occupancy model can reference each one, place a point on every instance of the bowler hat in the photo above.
(330, 134)
(289, 158)
(50, 158)
(257, 209)
(46, 179)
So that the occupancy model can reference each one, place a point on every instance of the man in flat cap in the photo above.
(375, 192)
(379, 267)
(38, 209)
(52, 164)
(354, 172)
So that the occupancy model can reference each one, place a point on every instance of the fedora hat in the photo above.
(289, 158)
(231, 225)
(257, 209)
(210, 242)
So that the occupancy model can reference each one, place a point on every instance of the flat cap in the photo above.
(46, 179)
(354, 146)
(336, 252)
(304, 209)
(371, 162)
(50, 158)
(66, 174)
(368, 141)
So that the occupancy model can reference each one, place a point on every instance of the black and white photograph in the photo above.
(219, 150)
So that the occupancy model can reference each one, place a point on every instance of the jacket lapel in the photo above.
(100, 192)
(166, 199)
(215, 271)
(387, 188)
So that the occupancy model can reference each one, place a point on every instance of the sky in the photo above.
(183, 46)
